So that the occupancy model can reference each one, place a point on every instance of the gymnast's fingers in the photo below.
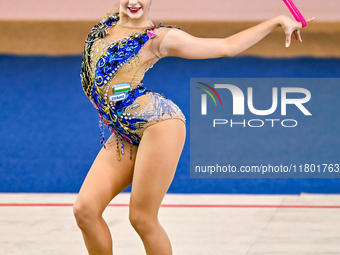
(310, 20)
(298, 35)
(288, 39)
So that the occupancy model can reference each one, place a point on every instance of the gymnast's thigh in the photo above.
(107, 176)
(157, 158)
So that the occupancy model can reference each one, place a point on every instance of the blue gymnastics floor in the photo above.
(49, 129)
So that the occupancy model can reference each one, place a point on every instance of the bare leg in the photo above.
(106, 178)
(156, 162)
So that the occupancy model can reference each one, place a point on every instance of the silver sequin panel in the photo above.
(152, 108)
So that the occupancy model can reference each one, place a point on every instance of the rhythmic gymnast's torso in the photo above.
(115, 60)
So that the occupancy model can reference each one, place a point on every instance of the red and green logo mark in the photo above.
(204, 97)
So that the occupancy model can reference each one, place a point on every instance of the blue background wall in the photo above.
(49, 132)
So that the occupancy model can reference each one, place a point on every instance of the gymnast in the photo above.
(148, 129)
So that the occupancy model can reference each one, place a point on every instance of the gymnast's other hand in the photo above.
(291, 26)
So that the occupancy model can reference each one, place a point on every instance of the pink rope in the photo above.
(296, 13)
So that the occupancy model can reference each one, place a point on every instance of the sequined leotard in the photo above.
(112, 73)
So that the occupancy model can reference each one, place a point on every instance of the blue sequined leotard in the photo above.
(112, 72)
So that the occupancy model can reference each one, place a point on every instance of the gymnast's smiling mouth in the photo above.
(134, 9)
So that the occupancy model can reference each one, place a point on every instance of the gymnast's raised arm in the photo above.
(178, 43)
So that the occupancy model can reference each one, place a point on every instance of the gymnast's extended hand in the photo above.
(290, 26)
(178, 43)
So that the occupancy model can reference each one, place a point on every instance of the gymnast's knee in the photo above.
(142, 222)
(85, 213)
